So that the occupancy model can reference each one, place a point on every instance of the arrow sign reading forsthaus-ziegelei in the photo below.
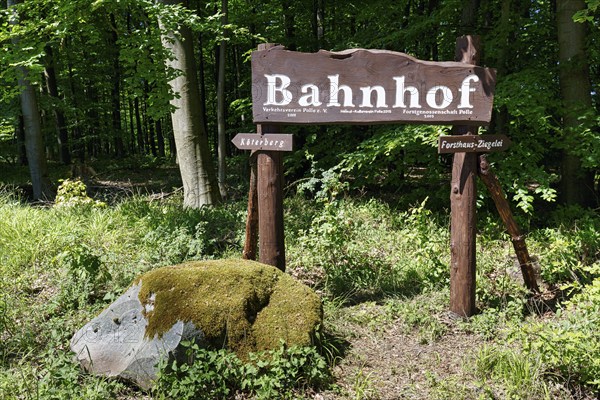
(472, 143)
(270, 141)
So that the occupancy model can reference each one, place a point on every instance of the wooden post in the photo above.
(462, 204)
(271, 238)
(251, 243)
(491, 182)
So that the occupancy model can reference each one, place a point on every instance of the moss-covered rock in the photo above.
(242, 305)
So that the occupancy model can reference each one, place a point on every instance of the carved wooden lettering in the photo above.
(367, 86)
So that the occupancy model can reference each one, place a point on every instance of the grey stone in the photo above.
(114, 344)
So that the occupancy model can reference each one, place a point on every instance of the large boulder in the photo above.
(241, 305)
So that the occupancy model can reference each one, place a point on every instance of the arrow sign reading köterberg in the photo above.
(271, 141)
(472, 143)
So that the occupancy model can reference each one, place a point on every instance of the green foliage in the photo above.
(570, 253)
(366, 247)
(8, 145)
(391, 157)
(214, 374)
(569, 347)
(72, 192)
(587, 14)
(84, 276)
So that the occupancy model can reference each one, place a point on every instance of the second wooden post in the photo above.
(462, 203)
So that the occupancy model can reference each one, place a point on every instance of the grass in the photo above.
(381, 271)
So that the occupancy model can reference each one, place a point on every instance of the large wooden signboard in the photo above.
(367, 86)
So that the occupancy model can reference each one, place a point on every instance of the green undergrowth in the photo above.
(281, 373)
(369, 249)
(375, 264)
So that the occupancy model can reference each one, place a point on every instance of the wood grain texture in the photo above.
(360, 68)
(493, 185)
(271, 237)
(463, 218)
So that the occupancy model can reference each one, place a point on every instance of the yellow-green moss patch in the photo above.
(239, 304)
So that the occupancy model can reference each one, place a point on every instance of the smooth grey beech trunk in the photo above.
(34, 140)
(191, 140)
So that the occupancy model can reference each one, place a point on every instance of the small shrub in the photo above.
(73, 192)
(84, 276)
(367, 248)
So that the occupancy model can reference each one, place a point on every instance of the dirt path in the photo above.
(395, 363)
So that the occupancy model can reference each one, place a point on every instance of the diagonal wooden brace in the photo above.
(491, 182)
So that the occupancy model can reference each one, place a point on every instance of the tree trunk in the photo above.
(34, 141)
(202, 82)
(576, 184)
(61, 125)
(116, 92)
(222, 134)
(160, 138)
(195, 164)
(468, 20)
(289, 25)
(138, 127)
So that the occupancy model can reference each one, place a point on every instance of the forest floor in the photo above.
(390, 363)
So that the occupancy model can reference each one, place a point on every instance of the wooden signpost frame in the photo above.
(265, 200)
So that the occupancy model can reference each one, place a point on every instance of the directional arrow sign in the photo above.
(472, 143)
(270, 141)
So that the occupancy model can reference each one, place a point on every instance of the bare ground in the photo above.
(392, 362)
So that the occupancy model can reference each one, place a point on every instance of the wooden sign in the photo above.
(360, 86)
(271, 141)
(472, 143)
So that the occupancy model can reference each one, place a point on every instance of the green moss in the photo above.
(239, 304)
(293, 308)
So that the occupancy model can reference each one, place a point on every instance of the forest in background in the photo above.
(98, 75)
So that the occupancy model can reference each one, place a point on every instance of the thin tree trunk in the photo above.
(160, 138)
(222, 134)
(116, 92)
(138, 127)
(469, 16)
(289, 25)
(78, 142)
(61, 125)
(132, 136)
